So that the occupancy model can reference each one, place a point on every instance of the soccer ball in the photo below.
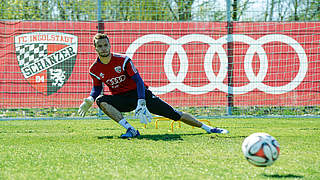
(261, 149)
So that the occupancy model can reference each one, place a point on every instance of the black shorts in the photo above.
(127, 102)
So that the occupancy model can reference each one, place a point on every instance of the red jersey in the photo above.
(116, 74)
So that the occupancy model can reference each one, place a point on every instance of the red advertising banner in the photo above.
(45, 64)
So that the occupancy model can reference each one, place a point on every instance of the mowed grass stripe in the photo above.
(91, 149)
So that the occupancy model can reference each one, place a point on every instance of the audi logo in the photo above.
(115, 81)
(216, 47)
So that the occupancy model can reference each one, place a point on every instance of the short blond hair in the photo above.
(100, 36)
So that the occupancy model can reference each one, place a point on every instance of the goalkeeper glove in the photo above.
(84, 107)
(142, 112)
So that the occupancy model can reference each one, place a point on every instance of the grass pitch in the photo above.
(91, 149)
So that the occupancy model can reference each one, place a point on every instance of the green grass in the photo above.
(196, 111)
(91, 149)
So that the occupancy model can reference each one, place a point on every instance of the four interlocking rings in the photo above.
(216, 46)
(116, 80)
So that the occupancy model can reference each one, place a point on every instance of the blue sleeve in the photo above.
(96, 91)
(140, 85)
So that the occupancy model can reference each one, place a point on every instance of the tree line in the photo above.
(159, 10)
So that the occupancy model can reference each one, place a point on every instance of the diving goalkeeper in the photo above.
(128, 92)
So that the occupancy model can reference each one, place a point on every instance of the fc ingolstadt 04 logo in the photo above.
(46, 59)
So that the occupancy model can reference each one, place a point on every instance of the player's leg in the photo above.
(157, 106)
(190, 120)
(112, 106)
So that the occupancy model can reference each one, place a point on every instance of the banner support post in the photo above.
(230, 59)
(100, 22)
(100, 30)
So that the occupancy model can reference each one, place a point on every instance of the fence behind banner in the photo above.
(258, 68)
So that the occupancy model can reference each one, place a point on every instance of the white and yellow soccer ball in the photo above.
(261, 149)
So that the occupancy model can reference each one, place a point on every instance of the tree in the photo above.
(157, 10)
(208, 10)
(48, 10)
(239, 8)
(138, 10)
(293, 10)
(309, 10)
(269, 10)
(184, 9)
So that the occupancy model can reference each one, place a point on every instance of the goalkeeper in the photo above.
(128, 92)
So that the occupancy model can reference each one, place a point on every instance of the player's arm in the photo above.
(134, 74)
(141, 110)
(140, 85)
(95, 92)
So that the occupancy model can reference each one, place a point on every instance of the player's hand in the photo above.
(84, 107)
(142, 112)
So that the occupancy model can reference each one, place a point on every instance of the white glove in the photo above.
(142, 112)
(84, 107)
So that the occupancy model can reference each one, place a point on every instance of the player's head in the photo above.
(102, 44)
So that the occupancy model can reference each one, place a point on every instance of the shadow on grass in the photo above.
(106, 137)
(282, 176)
(156, 137)
(166, 137)
(227, 136)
